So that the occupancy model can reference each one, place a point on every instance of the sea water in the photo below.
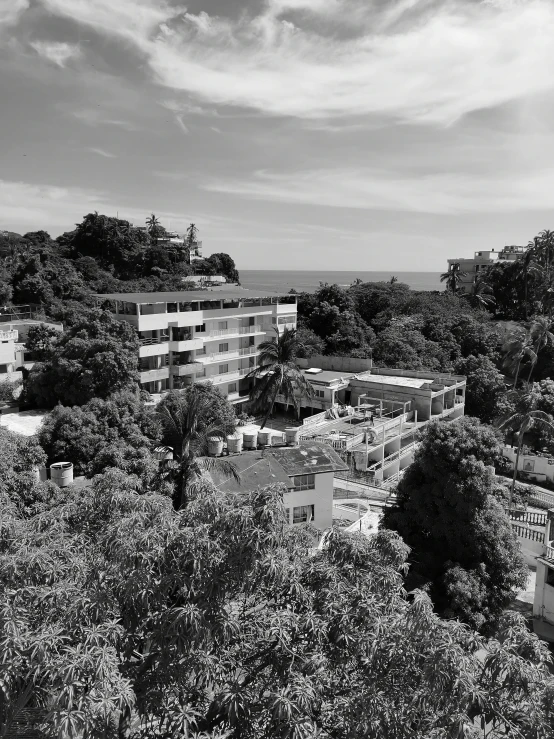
(308, 280)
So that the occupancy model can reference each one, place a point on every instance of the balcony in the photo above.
(226, 376)
(186, 345)
(208, 357)
(154, 374)
(235, 331)
(182, 370)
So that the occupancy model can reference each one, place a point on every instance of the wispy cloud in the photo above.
(102, 152)
(439, 193)
(57, 52)
(425, 61)
(94, 117)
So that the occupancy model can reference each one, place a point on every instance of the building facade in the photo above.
(375, 428)
(481, 260)
(305, 471)
(202, 336)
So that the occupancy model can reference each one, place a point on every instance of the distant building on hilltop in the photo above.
(177, 241)
(481, 260)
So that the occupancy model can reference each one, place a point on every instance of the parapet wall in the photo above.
(336, 364)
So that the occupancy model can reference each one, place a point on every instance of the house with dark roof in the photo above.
(306, 473)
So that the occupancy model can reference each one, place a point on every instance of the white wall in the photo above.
(541, 467)
(337, 364)
(543, 604)
(321, 498)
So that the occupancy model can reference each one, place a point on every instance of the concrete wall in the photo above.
(543, 604)
(321, 498)
(337, 364)
(538, 468)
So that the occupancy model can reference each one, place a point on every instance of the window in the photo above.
(200, 329)
(287, 319)
(529, 465)
(319, 393)
(303, 514)
(223, 368)
(172, 307)
(287, 514)
(222, 325)
(224, 347)
(232, 388)
(304, 482)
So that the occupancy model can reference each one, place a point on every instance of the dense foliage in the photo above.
(117, 432)
(461, 541)
(123, 618)
(101, 255)
(93, 358)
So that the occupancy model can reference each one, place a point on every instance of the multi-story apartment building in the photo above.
(375, 422)
(481, 260)
(202, 336)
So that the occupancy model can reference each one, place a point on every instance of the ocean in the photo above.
(308, 281)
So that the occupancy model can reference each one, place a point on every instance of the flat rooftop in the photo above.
(327, 376)
(186, 296)
(414, 382)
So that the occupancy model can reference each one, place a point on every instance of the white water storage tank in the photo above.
(234, 444)
(249, 439)
(61, 473)
(264, 438)
(215, 446)
(293, 436)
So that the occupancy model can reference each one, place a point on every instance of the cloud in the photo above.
(96, 118)
(426, 62)
(102, 153)
(11, 10)
(57, 52)
(370, 189)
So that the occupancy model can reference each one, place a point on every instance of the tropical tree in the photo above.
(393, 280)
(531, 269)
(540, 336)
(191, 238)
(124, 619)
(278, 373)
(154, 227)
(524, 419)
(482, 295)
(189, 421)
(447, 512)
(515, 349)
(453, 277)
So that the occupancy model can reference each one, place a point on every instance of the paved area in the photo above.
(25, 423)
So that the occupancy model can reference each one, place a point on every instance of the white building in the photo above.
(481, 260)
(10, 351)
(201, 336)
(306, 471)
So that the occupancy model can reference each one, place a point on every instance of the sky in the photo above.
(296, 134)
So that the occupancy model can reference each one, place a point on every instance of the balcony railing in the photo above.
(8, 335)
(237, 330)
(154, 340)
(227, 376)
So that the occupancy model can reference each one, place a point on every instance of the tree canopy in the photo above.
(123, 618)
(461, 541)
(93, 358)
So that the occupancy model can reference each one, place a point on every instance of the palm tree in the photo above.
(531, 268)
(191, 239)
(393, 279)
(541, 336)
(187, 434)
(516, 349)
(482, 295)
(453, 277)
(524, 420)
(278, 373)
(154, 227)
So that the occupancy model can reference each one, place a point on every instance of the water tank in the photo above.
(215, 446)
(249, 439)
(293, 436)
(62, 473)
(234, 443)
(264, 438)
